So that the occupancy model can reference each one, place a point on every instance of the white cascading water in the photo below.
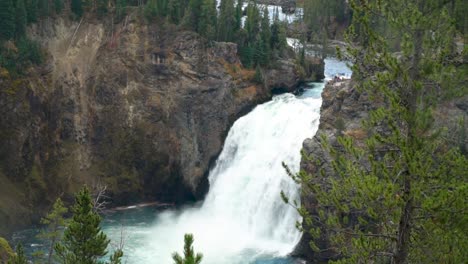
(243, 216)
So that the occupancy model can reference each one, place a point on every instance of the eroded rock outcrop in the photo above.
(143, 109)
(343, 110)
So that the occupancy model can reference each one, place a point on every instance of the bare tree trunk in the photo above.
(51, 250)
(52, 243)
(404, 228)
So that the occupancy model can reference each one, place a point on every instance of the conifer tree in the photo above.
(21, 18)
(252, 23)
(207, 23)
(31, 10)
(7, 19)
(151, 9)
(88, 5)
(459, 9)
(192, 15)
(226, 21)
(77, 7)
(189, 254)
(275, 34)
(318, 15)
(43, 8)
(278, 34)
(83, 241)
(175, 11)
(116, 258)
(58, 6)
(400, 196)
(265, 36)
(247, 54)
(258, 77)
(55, 222)
(29, 51)
(238, 16)
(121, 7)
(6, 252)
(101, 7)
(19, 257)
(163, 7)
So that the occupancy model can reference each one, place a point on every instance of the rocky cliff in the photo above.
(342, 112)
(140, 108)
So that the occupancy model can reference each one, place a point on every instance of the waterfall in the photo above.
(243, 217)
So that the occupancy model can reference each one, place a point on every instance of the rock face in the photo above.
(143, 109)
(343, 108)
(342, 112)
(285, 77)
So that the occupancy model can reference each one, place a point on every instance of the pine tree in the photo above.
(192, 15)
(275, 34)
(88, 5)
(400, 196)
(459, 9)
(55, 222)
(6, 252)
(238, 16)
(175, 11)
(21, 18)
(258, 77)
(121, 7)
(265, 43)
(29, 51)
(31, 10)
(58, 6)
(162, 7)
(101, 7)
(43, 8)
(7, 20)
(151, 9)
(282, 42)
(189, 254)
(260, 55)
(278, 35)
(252, 23)
(226, 21)
(116, 258)
(207, 24)
(77, 7)
(246, 53)
(83, 241)
(318, 15)
(19, 257)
